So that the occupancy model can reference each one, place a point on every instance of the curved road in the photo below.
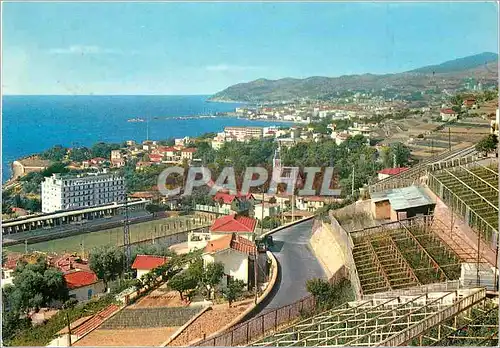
(297, 264)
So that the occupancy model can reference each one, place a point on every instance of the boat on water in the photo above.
(135, 120)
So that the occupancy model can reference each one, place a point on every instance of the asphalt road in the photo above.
(297, 264)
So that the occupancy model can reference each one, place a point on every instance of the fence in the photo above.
(264, 324)
(250, 330)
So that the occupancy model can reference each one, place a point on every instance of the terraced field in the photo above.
(402, 255)
(472, 192)
(394, 320)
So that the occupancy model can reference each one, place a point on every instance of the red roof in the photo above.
(393, 171)
(189, 149)
(231, 241)
(78, 279)
(314, 199)
(448, 111)
(155, 158)
(228, 198)
(149, 262)
(233, 223)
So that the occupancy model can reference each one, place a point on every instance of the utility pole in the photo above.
(25, 246)
(449, 138)
(262, 214)
(69, 329)
(126, 232)
(255, 271)
(352, 187)
(478, 278)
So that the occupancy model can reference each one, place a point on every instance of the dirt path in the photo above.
(211, 321)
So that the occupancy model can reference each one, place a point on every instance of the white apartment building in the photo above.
(243, 133)
(73, 192)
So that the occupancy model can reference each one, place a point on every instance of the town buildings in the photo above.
(64, 192)
(146, 263)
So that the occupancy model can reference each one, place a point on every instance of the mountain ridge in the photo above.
(483, 66)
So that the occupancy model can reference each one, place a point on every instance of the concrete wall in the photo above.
(329, 252)
(381, 210)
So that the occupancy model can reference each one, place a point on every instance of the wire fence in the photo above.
(268, 322)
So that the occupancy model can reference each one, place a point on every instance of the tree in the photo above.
(103, 150)
(319, 288)
(400, 154)
(107, 263)
(36, 285)
(234, 290)
(182, 282)
(212, 277)
(153, 208)
(487, 144)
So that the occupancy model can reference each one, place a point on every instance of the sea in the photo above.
(32, 124)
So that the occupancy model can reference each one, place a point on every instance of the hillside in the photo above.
(460, 64)
(449, 75)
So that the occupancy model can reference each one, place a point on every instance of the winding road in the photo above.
(297, 264)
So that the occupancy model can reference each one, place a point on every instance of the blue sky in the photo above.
(201, 48)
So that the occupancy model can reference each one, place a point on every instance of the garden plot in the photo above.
(401, 256)
(473, 193)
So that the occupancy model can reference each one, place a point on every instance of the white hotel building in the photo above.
(81, 191)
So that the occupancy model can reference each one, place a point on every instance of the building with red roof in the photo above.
(146, 263)
(388, 172)
(241, 225)
(448, 114)
(236, 253)
(188, 153)
(155, 158)
(83, 284)
(243, 202)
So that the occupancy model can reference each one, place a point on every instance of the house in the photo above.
(117, 159)
(241, 225)
(187, 153)
(83, 285)
(469, 103)
(142, 164)
(235, 203)
(448, 115)
(155, 158)
(263, 210)
(339, 137)
(401, 203)
(236, 253)
(94, 162)
(388, 172)
(146, 263)
(19, 211)
(182, 141)
(309, 203)
(8, 269)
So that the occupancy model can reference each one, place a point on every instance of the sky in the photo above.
(201, 48)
